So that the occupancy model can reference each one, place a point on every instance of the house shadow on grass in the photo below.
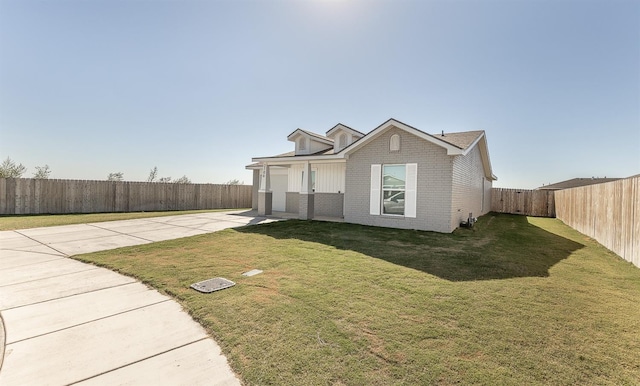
(500, 246)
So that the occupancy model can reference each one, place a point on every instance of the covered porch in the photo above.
(302, 190)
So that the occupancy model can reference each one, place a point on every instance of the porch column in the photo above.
(264, 193)
(305, 211)
(255, 186)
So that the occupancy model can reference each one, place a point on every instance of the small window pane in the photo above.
(393, 177)
(393, 202)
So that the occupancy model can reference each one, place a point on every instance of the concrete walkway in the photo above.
(68, 322)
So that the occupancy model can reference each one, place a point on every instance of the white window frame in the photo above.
(376, 196)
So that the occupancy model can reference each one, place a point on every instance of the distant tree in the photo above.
(153, 174)
(118, 176)
(42, 172)
(153, 177)
(9, 169)
(183, 180)
(234, 182)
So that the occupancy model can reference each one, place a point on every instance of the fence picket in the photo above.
(608, 212)
(31, 196)
(521, 201)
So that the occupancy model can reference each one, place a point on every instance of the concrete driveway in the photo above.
(68, 322)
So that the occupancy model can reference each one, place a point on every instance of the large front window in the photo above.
(393, 189)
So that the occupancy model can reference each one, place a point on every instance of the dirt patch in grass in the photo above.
(514, 300)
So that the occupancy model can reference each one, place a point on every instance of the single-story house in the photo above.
(395, 176)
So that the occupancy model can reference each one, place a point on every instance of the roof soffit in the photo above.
(484, 155)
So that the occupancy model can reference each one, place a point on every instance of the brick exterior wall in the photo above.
(305, 211)
(264, 203)
(488, 185)
(433, 189)
(468, 187)
(328, 204)
(293, 202)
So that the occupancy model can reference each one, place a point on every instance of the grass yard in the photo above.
(516, 301)
(12, 222)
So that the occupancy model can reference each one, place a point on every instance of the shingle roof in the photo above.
(317, 135)
(292, 154)
(287, 154)
(576, 182)
(460, 140)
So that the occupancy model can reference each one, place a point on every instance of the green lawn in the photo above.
(516, 301)
(12, 222)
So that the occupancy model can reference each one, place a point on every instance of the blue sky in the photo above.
(197, 88)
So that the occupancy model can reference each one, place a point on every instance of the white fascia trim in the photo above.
(333, 158)
(451, 150)
(484, 154)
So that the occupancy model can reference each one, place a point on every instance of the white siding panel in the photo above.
(295, 178)
(374, 198)
(330, 177)
(410, 193)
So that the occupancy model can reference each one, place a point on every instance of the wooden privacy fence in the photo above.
(526, 202)
(35, 196)
(609, 213)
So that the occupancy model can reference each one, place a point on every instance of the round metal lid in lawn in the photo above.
(211, 285)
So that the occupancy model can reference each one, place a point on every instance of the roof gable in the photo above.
(331, 133)
(453, 143)
(309, 143)
(311, 135)
(450, 147)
